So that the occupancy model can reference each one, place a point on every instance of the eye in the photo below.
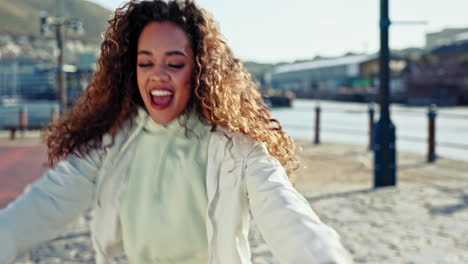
(144, 65)
(176, 66)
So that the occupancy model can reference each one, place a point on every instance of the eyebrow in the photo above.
(174, 52)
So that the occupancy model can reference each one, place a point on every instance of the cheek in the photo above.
(188, 79)
(188, 85)
(185, 82)
(140, 81)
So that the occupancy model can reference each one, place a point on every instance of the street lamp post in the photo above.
(384, 146)
(60, 23)
(62, 86)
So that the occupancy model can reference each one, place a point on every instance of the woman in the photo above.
(171, 147)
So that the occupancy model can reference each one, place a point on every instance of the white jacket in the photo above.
(241, 177)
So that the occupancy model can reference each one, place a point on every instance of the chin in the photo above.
(161, 118)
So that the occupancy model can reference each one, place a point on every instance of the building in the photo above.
(86, 61)
(446, 37)
(29, 79)
(352, 77)
(26, 78)
(441, 78)
(318, 75)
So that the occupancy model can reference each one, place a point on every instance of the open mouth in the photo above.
(161, 99)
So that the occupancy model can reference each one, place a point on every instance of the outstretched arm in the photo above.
(291, 229)
(49, 204)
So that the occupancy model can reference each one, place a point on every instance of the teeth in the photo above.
(161, 93)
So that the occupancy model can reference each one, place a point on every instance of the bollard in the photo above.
(432, 113)
(317, 125)
(371, 126)
(55, 115)
(23, 119)
(12, 133)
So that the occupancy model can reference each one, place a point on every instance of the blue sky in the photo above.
(274, 30)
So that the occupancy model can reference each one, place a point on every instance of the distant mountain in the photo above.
(21, 17)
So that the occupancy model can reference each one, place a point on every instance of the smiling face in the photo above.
(164, 70)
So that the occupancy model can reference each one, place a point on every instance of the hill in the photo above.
(21, 17)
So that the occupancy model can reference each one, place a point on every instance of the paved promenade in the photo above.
(21, 162)
(422, 220)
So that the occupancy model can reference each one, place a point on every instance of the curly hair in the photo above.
(223, 93)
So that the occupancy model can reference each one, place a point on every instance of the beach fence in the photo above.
(22, 118)
(36, 116)
(430, 140)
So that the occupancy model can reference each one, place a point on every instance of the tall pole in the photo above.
(60, 73)
(60, 24)
(61, 81)
(385, 147)
(383, 63)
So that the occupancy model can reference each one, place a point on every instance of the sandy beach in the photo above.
(421, 220)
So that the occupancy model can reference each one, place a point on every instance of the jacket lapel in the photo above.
(216, 153)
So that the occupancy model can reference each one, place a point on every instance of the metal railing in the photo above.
(431, 138)
(20, 119)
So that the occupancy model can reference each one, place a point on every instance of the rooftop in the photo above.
(347, 60)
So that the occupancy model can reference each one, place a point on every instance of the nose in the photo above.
(159, 74)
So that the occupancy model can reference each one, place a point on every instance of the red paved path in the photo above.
(19, 166)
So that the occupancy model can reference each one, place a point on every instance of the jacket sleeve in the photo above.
(291, 229)
(43, 211)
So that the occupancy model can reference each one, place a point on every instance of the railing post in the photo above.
(23, 119)
(317, 125)
(432, 113)
(371, 126)
(12, 133)
(54, 116)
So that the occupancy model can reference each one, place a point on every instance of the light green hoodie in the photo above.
(163, 212)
